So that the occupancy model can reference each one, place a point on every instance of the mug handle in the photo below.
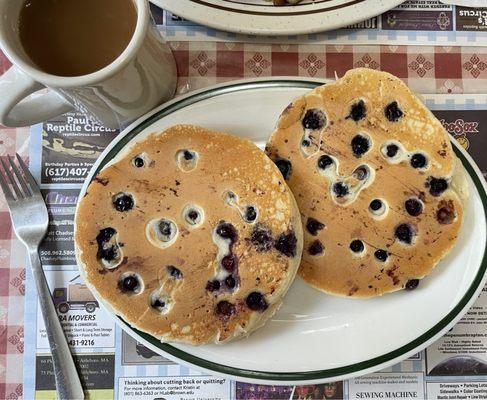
(16, 111)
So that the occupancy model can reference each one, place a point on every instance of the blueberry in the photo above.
(174, 272)
(381, 255)
(105, 235)
(186, 159)
(109, 253)
(229, 263)
(129, 284)
(357, 111)
(286, 244)
(138, 162)
(314, 119)
(285, 167)
(412, 284)
(414, 207)
(404, 233)
(213, 286)
(436, 185)
(167, 230)
(188, 155)
(227, 231)
(261, 238)
(165, 227)
(193, 215)
(230, 197)
(230, 282)
(324, 162)
(391, 150)
(313, 226)
(315, 248)
(361, 173)
(393, 112)
(225, 308)
(375, 205)
(250, 214)
(360, 145)
(256, 301)
(305, 143)
(340, 189)
(158, 304)
(357, 246)
(446, 213)
(418, 160)
(123, 202)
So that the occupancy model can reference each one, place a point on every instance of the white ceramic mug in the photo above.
(143, 76)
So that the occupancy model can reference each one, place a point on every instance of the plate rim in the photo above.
(303, 377)
(266, 24)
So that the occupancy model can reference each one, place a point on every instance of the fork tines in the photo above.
(17, 183)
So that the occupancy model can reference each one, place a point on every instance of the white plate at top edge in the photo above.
(316, 337)
(258, 17)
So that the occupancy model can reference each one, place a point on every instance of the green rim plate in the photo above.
(186, 357)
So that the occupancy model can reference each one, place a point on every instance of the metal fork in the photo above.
(30, 221)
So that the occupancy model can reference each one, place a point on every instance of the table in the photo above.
(426, 69)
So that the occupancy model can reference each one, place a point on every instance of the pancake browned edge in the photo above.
(378, 185)
(190, 235)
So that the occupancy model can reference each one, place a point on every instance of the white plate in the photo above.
(316, 337)
(259, 18)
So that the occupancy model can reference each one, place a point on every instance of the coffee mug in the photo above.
(141, 77)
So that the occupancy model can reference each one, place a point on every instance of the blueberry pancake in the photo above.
(379, 188)
(190, 235)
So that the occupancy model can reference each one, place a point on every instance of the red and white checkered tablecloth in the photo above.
(426, 69)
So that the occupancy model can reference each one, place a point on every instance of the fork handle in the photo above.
(67, 380)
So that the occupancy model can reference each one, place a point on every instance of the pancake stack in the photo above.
(376, 180)
(190, 235)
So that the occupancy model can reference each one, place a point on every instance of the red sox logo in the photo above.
(459, 129)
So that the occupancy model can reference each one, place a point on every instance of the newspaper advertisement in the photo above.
(113, 365)
(415, 22)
